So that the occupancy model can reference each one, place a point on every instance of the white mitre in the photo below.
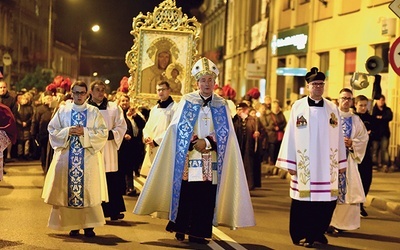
(204, 66)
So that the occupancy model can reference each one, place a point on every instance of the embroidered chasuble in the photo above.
(233, 205)
(76, 164)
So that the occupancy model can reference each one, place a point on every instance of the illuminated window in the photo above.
(350, 61)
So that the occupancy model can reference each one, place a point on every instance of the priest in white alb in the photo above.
(347, 212)
(313, 152)
(75, 183)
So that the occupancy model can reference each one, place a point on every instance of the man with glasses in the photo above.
(75, 182)
(347, 213)
(159, 119)
(313, 152)
(114, 117)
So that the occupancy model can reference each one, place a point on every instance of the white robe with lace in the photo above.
(55, 189)
(347, 216)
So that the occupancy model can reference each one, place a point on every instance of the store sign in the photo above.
(255, 71)
(259, 33)
(294, 41)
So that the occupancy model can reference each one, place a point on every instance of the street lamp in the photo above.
(95, 28)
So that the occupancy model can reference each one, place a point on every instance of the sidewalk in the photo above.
(384, 193)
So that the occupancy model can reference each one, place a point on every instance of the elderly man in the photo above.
(196, 164)
(75, 183)
(313, 152)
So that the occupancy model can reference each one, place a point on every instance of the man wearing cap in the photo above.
(198, 167)
(313, 152)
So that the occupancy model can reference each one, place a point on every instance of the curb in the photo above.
(382, 204)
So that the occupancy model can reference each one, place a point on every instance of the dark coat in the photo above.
(40, 121)
(244, 132)
(131, 152)
(382, 125)
(274, 120)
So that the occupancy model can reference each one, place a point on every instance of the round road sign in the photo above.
(394, 56)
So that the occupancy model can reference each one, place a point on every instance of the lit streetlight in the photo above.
(95, 28)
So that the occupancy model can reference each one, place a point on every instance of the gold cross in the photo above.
(205, 119)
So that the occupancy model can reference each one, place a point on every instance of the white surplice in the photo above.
(347, 216)
(55, 189)
(313, 146)
(114, 118)
(159, 120)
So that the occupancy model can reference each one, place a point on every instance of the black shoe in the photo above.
(117, 217)
(198, 240)
(132, 192)
(308, 244)
(180, 236)
(89, 232)
(74, 233)
(363, 213)
(322, 239)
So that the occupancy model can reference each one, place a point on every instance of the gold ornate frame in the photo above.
(168, 27)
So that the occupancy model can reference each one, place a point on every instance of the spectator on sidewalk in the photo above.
(75, 184)
(114, 117)
(276, 123)
(8, 133)
(347, 212)
(365, 167)
(9, 100)
(40, 121)
(133, 142)
(380, 141)
(23, 118)
(314, 153)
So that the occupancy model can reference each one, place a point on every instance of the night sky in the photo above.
(114, 39)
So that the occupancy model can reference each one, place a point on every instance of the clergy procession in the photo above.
(200, 162)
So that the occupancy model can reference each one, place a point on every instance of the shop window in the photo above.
(350, 61)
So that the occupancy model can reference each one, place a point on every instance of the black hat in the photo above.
(314, 75)
(242, 105)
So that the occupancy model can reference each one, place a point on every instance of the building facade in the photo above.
(271, 44)
(26, 38)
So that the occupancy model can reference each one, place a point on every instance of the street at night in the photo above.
(24, 215)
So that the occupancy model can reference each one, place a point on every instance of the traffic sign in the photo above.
(394, 56)
(395, 7)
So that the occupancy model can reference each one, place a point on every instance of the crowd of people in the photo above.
(91, 146)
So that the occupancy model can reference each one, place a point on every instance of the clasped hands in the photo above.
(76, 130)
(200, 145)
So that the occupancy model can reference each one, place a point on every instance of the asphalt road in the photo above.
(23, 223)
